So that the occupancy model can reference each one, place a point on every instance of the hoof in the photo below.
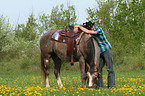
(47, 86)
(91, 88)
(60, 86)
(83, 86)
(72, 64)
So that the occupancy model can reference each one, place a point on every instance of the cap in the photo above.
(88, 25)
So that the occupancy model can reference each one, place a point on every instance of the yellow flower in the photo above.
(77, 92)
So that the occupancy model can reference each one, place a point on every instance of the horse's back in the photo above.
(48, 46)
(46, 37)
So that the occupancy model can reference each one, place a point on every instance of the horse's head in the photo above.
(93, 76)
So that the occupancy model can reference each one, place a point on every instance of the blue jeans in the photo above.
(107, 58)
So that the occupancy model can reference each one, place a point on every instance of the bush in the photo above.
(6, 34)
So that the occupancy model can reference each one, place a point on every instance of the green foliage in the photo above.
(6, 34)
(103, 14)
(23, 53)
(43, 23)
(124, 25)
(28, 32)
(63, 17)
(21, 45)
(60, 18)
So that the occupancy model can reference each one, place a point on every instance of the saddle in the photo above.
(69, 37)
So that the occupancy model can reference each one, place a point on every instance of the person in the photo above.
(106, 54)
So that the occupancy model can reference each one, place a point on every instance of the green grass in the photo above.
(127, 83)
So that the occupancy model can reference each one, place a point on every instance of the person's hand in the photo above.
(76, 26)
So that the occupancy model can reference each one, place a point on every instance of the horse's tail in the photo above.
(42, 67)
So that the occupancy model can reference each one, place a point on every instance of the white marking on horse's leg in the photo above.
(59, 82)
(90, 79)
(46, 60)
(47, 82)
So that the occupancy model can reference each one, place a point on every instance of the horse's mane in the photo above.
(70, 27)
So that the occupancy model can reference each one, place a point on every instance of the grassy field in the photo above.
(127, 83)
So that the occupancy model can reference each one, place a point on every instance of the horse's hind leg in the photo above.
(45, 67)
(57, 62)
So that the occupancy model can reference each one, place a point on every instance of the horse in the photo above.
(87, 54)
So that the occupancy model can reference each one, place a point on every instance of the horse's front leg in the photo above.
(83, 71)
(57, 62)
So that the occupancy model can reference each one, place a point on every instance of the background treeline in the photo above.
(123, 22)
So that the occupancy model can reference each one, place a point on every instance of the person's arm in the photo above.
(86, 30)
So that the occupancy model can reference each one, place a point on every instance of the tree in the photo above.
(129, 18)
(59, 18)
(6, 34)
(28, 32)
(102, 15)
(124, 24)
(63, 17)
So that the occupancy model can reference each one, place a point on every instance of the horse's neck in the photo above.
(83, 42)
(86, 37)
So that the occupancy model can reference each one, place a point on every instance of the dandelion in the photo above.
(77, 92)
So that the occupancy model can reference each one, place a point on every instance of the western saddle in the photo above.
(68, 36)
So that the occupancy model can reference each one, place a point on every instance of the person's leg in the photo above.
(108, 56)
(101, 65)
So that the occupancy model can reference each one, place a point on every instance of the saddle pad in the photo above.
(55, 36)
